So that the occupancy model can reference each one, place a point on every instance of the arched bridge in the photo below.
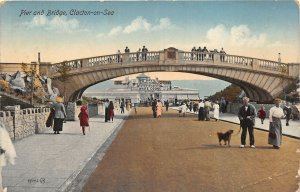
(262, 80)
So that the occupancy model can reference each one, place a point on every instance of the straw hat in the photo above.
(59, 99)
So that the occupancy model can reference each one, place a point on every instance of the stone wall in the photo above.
(25, 122)
(94, 109)
(72, 111)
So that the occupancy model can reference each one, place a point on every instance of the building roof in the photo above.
(142, 76)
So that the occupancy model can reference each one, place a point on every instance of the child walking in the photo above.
(262, 114)
(84, 118)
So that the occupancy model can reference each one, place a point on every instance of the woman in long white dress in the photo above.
(7, 151)
(216, 108)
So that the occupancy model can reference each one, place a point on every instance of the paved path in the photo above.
(182, 154)
(292, 130)
(48, 162)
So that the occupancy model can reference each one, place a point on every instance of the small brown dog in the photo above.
(225, 136)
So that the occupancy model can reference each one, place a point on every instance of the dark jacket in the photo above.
(247, 116)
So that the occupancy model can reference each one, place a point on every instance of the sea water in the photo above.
(205, 87)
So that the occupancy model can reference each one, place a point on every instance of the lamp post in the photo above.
(0, 102)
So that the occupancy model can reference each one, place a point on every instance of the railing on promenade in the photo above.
(195, 57)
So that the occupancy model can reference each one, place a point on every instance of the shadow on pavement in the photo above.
(217, 146)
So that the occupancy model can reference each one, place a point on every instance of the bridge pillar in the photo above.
(216, 58)
(126, 58)
(294, 70)
(171, 56)
(255, 65)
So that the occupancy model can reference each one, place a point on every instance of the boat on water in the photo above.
(143, 89)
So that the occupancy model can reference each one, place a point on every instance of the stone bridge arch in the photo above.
(262, 80)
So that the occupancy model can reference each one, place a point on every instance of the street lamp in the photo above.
(279, 58)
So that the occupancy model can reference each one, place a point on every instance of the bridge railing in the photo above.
(110, 59)
(195, 57)
(143, 56)
(273, 65)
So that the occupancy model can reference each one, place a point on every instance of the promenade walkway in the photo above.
(292, 130)
(179, 154)
(48, 162)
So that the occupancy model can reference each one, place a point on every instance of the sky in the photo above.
(259, 29)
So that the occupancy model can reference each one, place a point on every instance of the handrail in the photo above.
(195, 57)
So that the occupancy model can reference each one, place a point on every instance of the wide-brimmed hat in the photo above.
(59, 99)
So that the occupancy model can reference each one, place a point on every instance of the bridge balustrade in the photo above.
(142, 56)
(209, 57)
(273, 66)
(195, 56)
(237, 60)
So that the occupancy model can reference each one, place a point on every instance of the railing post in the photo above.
(255, 65)
(126, 58)
(216, 57)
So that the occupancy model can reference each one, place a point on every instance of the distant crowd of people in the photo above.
(246, 115)
(198, 54)
(203, 54)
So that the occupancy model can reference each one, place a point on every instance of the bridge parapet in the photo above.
(175, 56)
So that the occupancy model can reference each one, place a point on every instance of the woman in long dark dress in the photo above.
(59, 115)
(202, 112)
(111, 113)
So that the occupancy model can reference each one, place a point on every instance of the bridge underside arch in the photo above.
(257, 86)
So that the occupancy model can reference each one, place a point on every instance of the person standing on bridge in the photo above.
(119, 56)
(198, 54)
(275, 128)
(138, 55)
(222, 55)
(126, 50)
(193, 53)
(144, 53)
(247, 121)
(59, 115)
(205, 52)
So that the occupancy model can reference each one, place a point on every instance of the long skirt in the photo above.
(106, 115)
(216, 114)
(275, 132)
(201, 114)
(50, 118)
(58, 124)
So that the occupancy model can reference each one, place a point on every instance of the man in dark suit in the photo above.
(247, 120)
